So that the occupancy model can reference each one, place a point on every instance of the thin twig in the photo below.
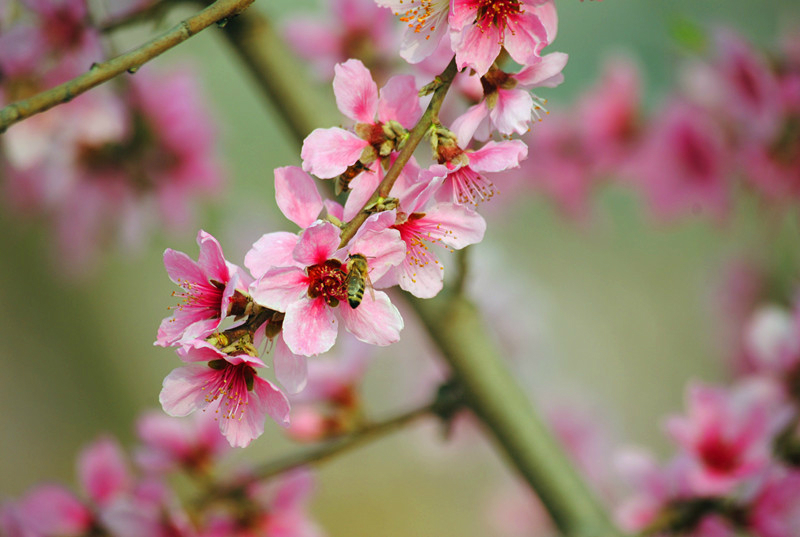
(325, 452)
(129, 61)
(415, 136)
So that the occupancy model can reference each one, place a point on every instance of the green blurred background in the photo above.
(622, 307)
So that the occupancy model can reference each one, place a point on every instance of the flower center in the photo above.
(719, 456)
(496, 12)
(328, 280)
(232, 385)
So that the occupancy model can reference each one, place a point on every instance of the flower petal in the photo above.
(310, 327)
(279, 287)
(356, 93)
(291, 369)
(374, 321)
(328, 152)
(297, 195)
(399, 101)
(271, 250)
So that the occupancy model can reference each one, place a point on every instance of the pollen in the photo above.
(421, 15)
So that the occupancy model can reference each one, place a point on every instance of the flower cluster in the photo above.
(121, 503)
(100, 166)
(296, 288)
(738, 464)
(731, 121)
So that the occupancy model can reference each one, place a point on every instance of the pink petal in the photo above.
(374, 321)
(310, 327)
(467, 123)
(53, 510)
(512, 112)
(264, 399)
(399, 101)
(525, 37)
(422, 281)
(274, 400)
(498, 156)
(279, 287)
(317, 243)
(549, 18)
(211, 259)
(271, 250)
(476, 49)
(180, 267)
(328, 152)
(455, 225)
(103, 472)
(356, 92)
(297, 195)
(291, 369)
(462, 13)
(182, 391)
(546, 72)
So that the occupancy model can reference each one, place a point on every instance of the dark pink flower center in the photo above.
(415, 231)
(719, 456)
(696, 156)
(328, 280)
(496, 13)
(205, 296)
(232, 384)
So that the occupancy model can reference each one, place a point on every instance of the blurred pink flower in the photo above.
(775, 511)
(168, 443)
(727, 435)
(356, 29)
(684, 164)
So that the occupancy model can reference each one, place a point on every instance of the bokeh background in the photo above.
(617, 314)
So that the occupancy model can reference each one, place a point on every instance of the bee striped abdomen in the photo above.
(355, 291)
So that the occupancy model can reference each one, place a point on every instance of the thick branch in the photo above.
(130, 61)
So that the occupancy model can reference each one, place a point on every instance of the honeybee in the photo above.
(357, 279)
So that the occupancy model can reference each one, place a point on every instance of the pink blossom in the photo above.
(103, 471)
(353, 29)
(562, 169)
(310, 291)
(654, 488)
(170, 443)
(775, 511)
(508, 103)
(426, 25)
(330, 405)
(47, 511)
(420, 224)
(277, 508)
(479, 29)
(210, 286)
(683, 164)
(328, 153)
(610, 116)
(726, 435)
(749, 89)
(228, 386)
(459, 174)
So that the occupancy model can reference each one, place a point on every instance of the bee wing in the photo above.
(368, 283)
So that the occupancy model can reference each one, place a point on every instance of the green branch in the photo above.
(129, 61)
